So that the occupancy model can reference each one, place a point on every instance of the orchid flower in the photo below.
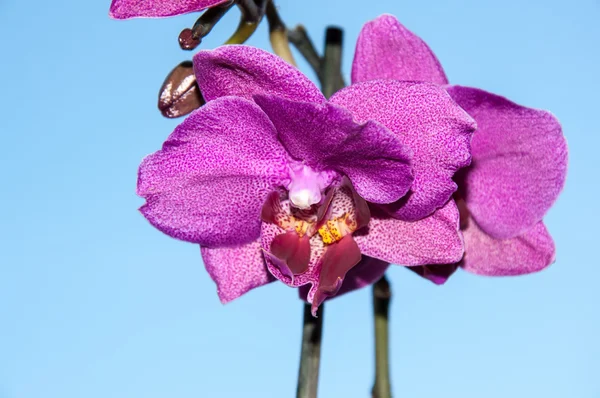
(519, 159)
(274, 181)
(125, 9)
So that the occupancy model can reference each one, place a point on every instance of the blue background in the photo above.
(94, 302)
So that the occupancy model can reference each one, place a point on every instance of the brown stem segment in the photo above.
(310, 355)
(382, 295)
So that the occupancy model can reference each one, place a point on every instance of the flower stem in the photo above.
(189, 39)
(331, 67)
(300, 39)
(252, 14)
(278, 34)
(310, 355)
(382, 295)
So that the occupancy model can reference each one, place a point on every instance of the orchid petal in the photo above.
(426, 120)
(326, 138)
(519, 163)
(236, 270)
(529, 252)
(387, 50)
(433, 240)
(208, 183)
(125, 9)
(243, 71)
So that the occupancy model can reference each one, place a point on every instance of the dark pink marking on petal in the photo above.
(338, 259)
(271, 208)
(293, 250)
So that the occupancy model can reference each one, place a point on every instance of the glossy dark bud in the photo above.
(187, 40)
(179, 94)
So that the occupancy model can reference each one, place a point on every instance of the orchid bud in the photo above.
(179, 94)
(187, 40)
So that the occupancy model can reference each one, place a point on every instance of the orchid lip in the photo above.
(316, 245)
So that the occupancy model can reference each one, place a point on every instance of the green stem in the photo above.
(300, 39)
(252, 13)
(310, 355)
(382, 295)
(278, 34)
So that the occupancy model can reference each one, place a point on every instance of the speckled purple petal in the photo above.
(427, 121)
(529, 252)
(244, 71)
(368, 271)
(387, 50)
(124, 9)
(433, 240)
(237, 269)
(519, 163)
(209, 181)
(326, 138)
(436, 273)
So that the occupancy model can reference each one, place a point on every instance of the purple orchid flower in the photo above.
(273, 180)
(125, 9)
(519, 160)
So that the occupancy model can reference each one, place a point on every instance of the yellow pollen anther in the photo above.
(325, 234)
(301, 227)
(334, 230)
